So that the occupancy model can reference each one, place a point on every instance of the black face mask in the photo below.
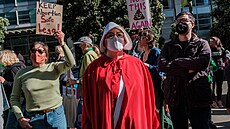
(181, 28)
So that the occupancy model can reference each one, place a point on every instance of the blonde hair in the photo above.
(8, 57)
(59, 50)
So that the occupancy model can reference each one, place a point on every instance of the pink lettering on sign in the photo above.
(136, 6)
(134, 1)
(141, 24)
(44, 20)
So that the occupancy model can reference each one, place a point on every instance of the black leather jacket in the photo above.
(186, 72)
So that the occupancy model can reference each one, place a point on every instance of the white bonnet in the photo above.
(110, 26)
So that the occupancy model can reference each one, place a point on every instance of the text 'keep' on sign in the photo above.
(48, 18)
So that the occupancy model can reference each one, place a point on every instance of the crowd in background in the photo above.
(125, 82)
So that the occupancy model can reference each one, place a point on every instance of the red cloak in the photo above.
(101, 83)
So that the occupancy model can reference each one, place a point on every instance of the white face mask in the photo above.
(115, 44)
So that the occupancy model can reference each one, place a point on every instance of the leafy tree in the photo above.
(81, 18)
(3, 31)
(221, 24)
(115, 11)
(88, 17)
(158, 17)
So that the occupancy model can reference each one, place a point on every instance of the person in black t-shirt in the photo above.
(219, 57)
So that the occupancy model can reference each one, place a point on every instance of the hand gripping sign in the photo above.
(48, 18)
(139, 14)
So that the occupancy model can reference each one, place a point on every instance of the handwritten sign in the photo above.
(139, 14)
(48, 18)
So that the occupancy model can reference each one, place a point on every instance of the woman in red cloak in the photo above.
(117, 88)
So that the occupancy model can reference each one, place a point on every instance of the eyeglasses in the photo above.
(111, 35)
(183, 20)
(37, 50)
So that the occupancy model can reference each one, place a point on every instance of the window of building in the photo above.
(7, 44)
(24, 49)
(23, 17)
(37, 38)
(22, 0)
(11, 16)
(204, 21)
(2, 14)
(168, 4)
(19, 40)
(33, 16)
(200, 2)
(9, 1)
(25, 0)
(2, 1)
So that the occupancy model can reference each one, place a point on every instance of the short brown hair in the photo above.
(190, 15)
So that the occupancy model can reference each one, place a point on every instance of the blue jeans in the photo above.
(50, 120)
(199, 117)
(12, 122)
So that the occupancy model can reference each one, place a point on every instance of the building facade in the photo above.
(201, 9)
(21, 31)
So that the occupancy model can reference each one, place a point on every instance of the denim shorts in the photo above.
(51, 120)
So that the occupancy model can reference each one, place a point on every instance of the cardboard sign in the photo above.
(48, 18)
(139, 14)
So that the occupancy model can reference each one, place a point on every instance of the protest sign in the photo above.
(139, 14)
(48, 18)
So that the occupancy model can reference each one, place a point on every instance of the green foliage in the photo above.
(221, 24)
(3, 31)
(158, 17)
(89, 17)
(173, 33)
(81, 18)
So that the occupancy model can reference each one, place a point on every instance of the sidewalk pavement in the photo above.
(220, 116)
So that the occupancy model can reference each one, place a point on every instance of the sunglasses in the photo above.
(37, 50)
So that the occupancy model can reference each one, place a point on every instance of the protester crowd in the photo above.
(122, 84)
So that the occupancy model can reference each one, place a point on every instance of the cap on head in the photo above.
(84, 39)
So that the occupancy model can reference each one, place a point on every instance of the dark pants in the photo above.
(199, 117)
(12, 122)
(218, 78)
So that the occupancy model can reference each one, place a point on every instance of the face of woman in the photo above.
(114, 40)
(212, 43)
(38, 55)
(143, 41)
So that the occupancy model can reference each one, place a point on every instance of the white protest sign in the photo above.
(48, 18)
(139, 14)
